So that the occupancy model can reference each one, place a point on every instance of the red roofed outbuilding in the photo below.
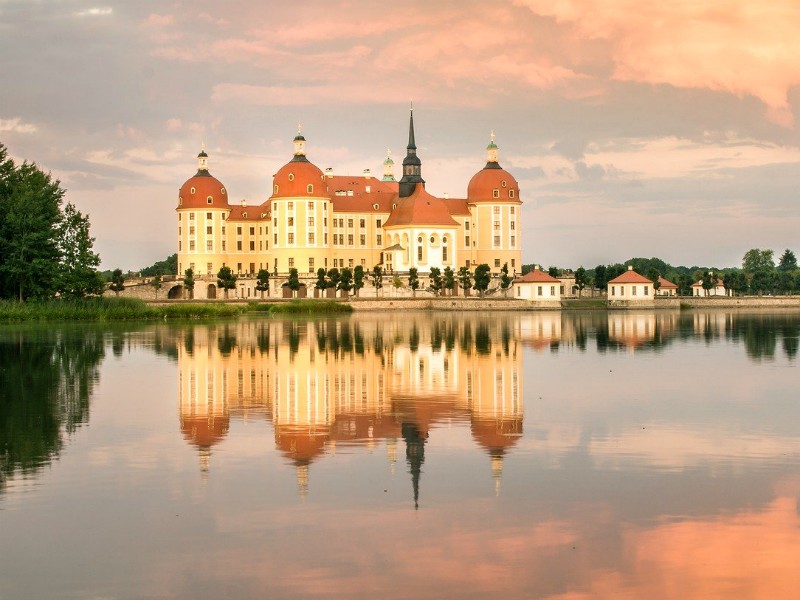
(538, 286)
(630, 287)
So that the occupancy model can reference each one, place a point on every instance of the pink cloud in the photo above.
(744, 49)
(155, 20)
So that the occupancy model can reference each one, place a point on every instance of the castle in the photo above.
(317, 220)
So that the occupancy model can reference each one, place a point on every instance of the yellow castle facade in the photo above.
(314, 219)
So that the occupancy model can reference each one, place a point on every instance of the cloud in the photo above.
(17, 126)
(743, 48)
(95, 12)
(156, 20)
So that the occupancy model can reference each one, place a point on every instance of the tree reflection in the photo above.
(46, 380)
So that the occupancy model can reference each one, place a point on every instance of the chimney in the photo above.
(329, 172)
(630, 267)
(367, 173)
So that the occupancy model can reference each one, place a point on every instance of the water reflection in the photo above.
(358, 382)
(46, 379)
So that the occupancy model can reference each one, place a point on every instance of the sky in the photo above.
(635, 129)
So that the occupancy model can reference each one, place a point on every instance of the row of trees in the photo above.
(759, 274)
(45, 247)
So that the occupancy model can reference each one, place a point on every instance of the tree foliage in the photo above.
(118, 281)
(377, 277)
(358, 278)
(262, 281)
(226, 279)
(413, 280)
(294, 280)
(345, 280)
(756, 259)
(505, 278)
(581, 279)
(787, 261)
(436, 280)
(481, 278)
(168, 266)
(322, 282)
(449, 279)
(78, 276)
(464, 278)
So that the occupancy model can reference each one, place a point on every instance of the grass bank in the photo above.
(303, 307)
(110, 309)
(584, 303)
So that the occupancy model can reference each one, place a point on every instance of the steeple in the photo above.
(202, 162)
(415, 455)
(412, 166)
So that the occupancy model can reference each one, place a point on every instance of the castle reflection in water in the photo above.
(366, 381)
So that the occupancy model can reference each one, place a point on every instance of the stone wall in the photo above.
(449, 303)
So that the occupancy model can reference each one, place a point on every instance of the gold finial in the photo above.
(299, 128)
(492, 135)
(389, 152)
(412, 104)
(203, 145)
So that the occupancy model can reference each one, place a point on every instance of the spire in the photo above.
(415, 455)
(202, 161)
(412, 166)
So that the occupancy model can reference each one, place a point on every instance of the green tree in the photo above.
(413, 280)
(553, 272)
(761, 282)
(293, 283)
(168, 266)
(601, 277)
(358, 278)
(345, 283)
(262, 282)
(78, 276)
(436, 280)
(156, 283)
(465, 279)
(756, 259)
(653, 275)
(482, 277)
(226, 279)
(321, 283)
(333, 277)
(449, 280)
(581, 279)
(189, 282)
(377, 278)
(30, 203)
(117, 282)
(788, 261)
(505, 279)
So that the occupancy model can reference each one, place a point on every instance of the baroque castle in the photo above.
(315, 219)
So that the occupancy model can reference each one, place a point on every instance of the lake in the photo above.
(410, 455)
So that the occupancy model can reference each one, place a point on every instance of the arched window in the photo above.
(510, 193)
(291, 176)
(310, 188)
(192, 190)
(495, 193)
(276, 189)
(210, 200)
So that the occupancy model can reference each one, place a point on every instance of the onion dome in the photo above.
(202, 190)
(205, 431)
(493, 183)
(298, 177)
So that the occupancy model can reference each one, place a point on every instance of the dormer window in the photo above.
(375, 206)
(192, 190)
(210, 200)
(180, 201)
(275, 187)
(394, 206)
(244, 215)
(503, 183)
(495, 193)
(222, 191)
(310, 188)
(291, 176)
(510, 193)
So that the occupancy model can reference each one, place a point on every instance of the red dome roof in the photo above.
(293, 179)
(420, 208)
(198, 189)
(205, 431)
(483, 184)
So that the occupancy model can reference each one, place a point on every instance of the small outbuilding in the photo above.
(538, 286)
(666, 287)
(630, 289)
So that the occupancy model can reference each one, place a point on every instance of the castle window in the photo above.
(291, 176)
(419, 239)
(275, 187)
(252, 231)
(495, 193)
(513, 241)
(310, 188)
(497, 240)
(394, 206)
(513, 225)
(497, 210)
(209, 245)
(180, 203)
(377, 222)
(433, 240)
(350, 262)
(209, 215)
(291, 222)
(210, 200)
(191, 216)
(209, 230)
(419, 252)
(239, 230)
(252, 246)
(192, 190)
(311, 205)
(191, 230)
(362, 223)
(310, 221)
(239, 245)
(444, 253)
(191, 245)
(375, 206)
(511, 195)
(349, 222)
(503, 183)
(222, 191)
(363, 240)
(380, 239)
(497, 262)
(311, 264)
(290, 205)
(291, 238)
(310, 239)
(350, 239)
(244, 215)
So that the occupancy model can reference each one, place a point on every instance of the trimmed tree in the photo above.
(581, 279)
(226, 279)
(188, 281)
(465, 280)
(449, 280)
(377, 278)
(413, 280)
(358, 278)
(321, 282)
(156, 282)
(293, 282)
(345, 283)
(482, 277)
(117, 282)
(262, 282)
(436, 280)
(505, 279)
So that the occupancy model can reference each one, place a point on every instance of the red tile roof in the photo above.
(204, 186)
(666, 284)
(382, 193)
(458, 206)
(630, 276)
(420, 208)
(536, 276)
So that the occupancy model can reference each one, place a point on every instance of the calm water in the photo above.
(562, 456)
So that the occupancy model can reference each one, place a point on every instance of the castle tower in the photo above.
(388, 167)
(412, 166)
